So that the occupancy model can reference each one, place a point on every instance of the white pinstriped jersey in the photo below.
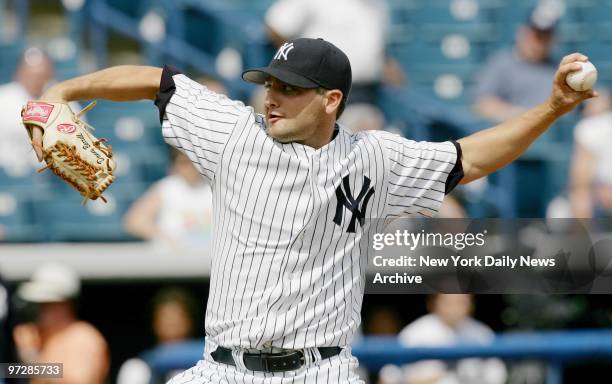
(287, 268)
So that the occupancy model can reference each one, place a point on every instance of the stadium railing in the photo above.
(557, 348)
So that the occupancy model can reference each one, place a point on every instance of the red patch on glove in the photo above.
(37, 111)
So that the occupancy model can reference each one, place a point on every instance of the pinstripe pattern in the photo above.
(284, 274)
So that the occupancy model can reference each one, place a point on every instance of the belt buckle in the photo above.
(302, 358)
(294, 365)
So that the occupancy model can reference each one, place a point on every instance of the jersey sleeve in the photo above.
(196, 120)
(420, 175)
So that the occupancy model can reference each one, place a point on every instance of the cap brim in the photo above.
(543, 29)
(260, 75)
(37, 293)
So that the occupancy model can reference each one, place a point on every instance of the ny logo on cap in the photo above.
(346, 200)
(283, 51)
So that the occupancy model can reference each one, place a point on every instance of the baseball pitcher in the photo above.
(292, 193)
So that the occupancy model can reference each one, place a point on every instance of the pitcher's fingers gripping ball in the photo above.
(69, 149)
(584, 78)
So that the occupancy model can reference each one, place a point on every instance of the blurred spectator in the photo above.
(357, 27)
(34, 73)
(257, 100)
(598, 105)
(176, 212)
(591, 175)
(448, 323)
(173, 314)
(212, 84)
(513, 80)
(362, 117)
(382, 321)
(4, 333)
(451, 208)
(57, 335)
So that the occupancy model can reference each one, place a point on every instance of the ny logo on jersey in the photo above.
(345, 199)
(283, 51)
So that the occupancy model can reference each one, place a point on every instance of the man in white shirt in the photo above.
(34, 73)
(449, 322)
(4, 332)
(591, 175)
(357, 27)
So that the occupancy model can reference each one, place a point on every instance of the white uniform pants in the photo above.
(339, 369)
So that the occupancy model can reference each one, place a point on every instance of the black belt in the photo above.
(271, 362)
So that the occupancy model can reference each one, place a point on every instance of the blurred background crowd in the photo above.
(425, 69)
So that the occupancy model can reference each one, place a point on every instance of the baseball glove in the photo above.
(69, 149)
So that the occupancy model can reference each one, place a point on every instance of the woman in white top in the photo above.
(176, 212)
(591, 174)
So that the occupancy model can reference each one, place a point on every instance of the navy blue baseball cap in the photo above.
(307, 63)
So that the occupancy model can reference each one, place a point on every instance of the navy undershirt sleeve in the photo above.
(456, 174)
(166, 90)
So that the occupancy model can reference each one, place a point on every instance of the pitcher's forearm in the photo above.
(121, 83)
(491, 149)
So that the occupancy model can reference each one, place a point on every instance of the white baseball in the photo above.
(583, 79)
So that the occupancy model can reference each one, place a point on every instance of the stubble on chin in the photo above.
(280, 134)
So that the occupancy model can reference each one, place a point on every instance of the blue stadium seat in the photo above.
(72, 221)
(12, 211)
(224, 25)
(16, 222)
(66, 69)
(492, 10)
(516, 11)
(126, 125)
(427, 73)
(26, 182)
(402, 34)
(128, 191)
(9, 55)
(475, 32)
(599, 11)
(454, 49)
(577, 33)
(451, 12)
(132, 8)
(600, 53)
(129, 168)
(154, 163)
(581, 10)
(405, 12)
(604, 33)
(146, 163)
(604, 69)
